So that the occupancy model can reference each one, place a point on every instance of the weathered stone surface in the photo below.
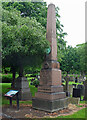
(51, 32)
(50, 77)
(50, 96)
(51, 64)
(26, 95)
(70, 89)
(82, 87)
(49, 105)
(22, 85)
(73, 100)
(50, 89)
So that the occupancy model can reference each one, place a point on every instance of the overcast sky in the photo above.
(72, 14)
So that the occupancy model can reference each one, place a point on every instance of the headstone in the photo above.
(67, 85)
(71, 89)
(22, 85)
(73, 100)
(50, 96)
(82, 89)
(77, 92)
(85, 97)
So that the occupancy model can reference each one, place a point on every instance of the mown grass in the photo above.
(80, 114)
(70, 83)
(82, 102)
(7, 86)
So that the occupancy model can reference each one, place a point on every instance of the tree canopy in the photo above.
(23, 40)
(36, 10)
(74, 60)
(70, 61)
(82, 52)
(39, 11)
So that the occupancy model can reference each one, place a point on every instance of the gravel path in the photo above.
(26, 111)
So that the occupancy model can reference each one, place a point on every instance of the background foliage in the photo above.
(24, 29)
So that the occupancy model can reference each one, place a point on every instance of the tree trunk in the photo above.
(67, 85)
(13, 78)
(21, 72)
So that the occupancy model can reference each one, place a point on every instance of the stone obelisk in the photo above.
(50, 96)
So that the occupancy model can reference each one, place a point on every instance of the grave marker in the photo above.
(22, 85)
(50, 96)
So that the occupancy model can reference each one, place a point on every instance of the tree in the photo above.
(70, 60)
(39, 11)
(82, 52)
(23, 41)
(29, 9)
(60, 34)
(36, 11)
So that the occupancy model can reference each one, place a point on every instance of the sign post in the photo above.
(17, 101)
(11, 94)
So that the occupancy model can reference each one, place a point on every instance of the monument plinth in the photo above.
(22, 85)
(50, 96)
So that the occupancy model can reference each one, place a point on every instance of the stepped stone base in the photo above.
(50, 92)
(50, 89)
(50, 98)
(49, 105)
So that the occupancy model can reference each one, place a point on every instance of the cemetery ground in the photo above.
(26, 110)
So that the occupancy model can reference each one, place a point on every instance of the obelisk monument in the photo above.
(50, 96)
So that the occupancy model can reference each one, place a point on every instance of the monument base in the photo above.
(22, 86)
(25, 94)
(49, 105)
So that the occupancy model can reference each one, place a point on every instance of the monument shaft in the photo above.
(50, 96)
(50, 74)
(51, 32)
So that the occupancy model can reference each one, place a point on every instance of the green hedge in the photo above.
(6, 78)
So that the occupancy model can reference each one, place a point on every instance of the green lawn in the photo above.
(80, 114)
(7, 86)
(82, 102)
(70, 83)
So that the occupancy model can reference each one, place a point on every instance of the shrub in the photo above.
(35, 83)
(6, 78)
(27, 75)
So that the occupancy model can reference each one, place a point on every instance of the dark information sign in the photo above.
(11, 93)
